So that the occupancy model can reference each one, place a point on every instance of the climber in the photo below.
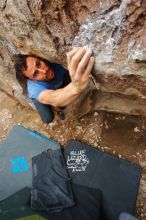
(50, 85)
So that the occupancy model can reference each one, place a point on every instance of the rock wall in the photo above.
(115, 30)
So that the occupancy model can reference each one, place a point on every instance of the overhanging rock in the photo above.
(115, 30)
(117, 38)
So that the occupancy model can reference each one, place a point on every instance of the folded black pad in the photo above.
(16, 153)
(117, 179)
(87, 206)
(51, 188)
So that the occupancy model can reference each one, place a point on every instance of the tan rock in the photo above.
(115, 30)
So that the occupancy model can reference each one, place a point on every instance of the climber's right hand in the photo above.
(80, 63)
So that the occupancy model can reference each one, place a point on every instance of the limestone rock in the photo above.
(115, 30)
(117, 38)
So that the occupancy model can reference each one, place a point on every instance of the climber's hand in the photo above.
(80, 63)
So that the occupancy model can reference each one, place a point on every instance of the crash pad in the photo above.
(87, 206)
(16, 153)
(117, 179)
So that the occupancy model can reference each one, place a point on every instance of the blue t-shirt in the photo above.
(35, 88)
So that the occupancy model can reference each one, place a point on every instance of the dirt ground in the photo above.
(121, 135)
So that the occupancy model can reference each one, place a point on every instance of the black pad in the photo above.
(87, 206)
(16, 154)
(51, 189)
(117, 179)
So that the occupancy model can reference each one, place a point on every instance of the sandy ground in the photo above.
(121, 135)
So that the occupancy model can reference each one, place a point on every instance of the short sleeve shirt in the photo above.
(35, 88)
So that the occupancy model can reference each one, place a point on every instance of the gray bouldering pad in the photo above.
(16, 152)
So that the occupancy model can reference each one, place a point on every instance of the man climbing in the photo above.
(51, 85)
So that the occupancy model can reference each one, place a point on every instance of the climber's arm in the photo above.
(80, 64)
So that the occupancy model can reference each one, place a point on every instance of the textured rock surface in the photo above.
(117, 37)
(44, 28)
(115, 30)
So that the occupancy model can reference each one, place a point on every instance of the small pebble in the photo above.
(95, 114)
(106, 147)
(136, 129)
(95, 144)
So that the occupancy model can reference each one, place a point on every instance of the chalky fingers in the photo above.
(84, 62)
(71, 54)
(89, 67)
(76, 59)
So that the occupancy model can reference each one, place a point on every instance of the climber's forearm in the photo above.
(60, 97)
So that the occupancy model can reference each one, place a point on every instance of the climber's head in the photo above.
(34, 68)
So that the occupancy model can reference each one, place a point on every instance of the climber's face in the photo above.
(38, 70)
